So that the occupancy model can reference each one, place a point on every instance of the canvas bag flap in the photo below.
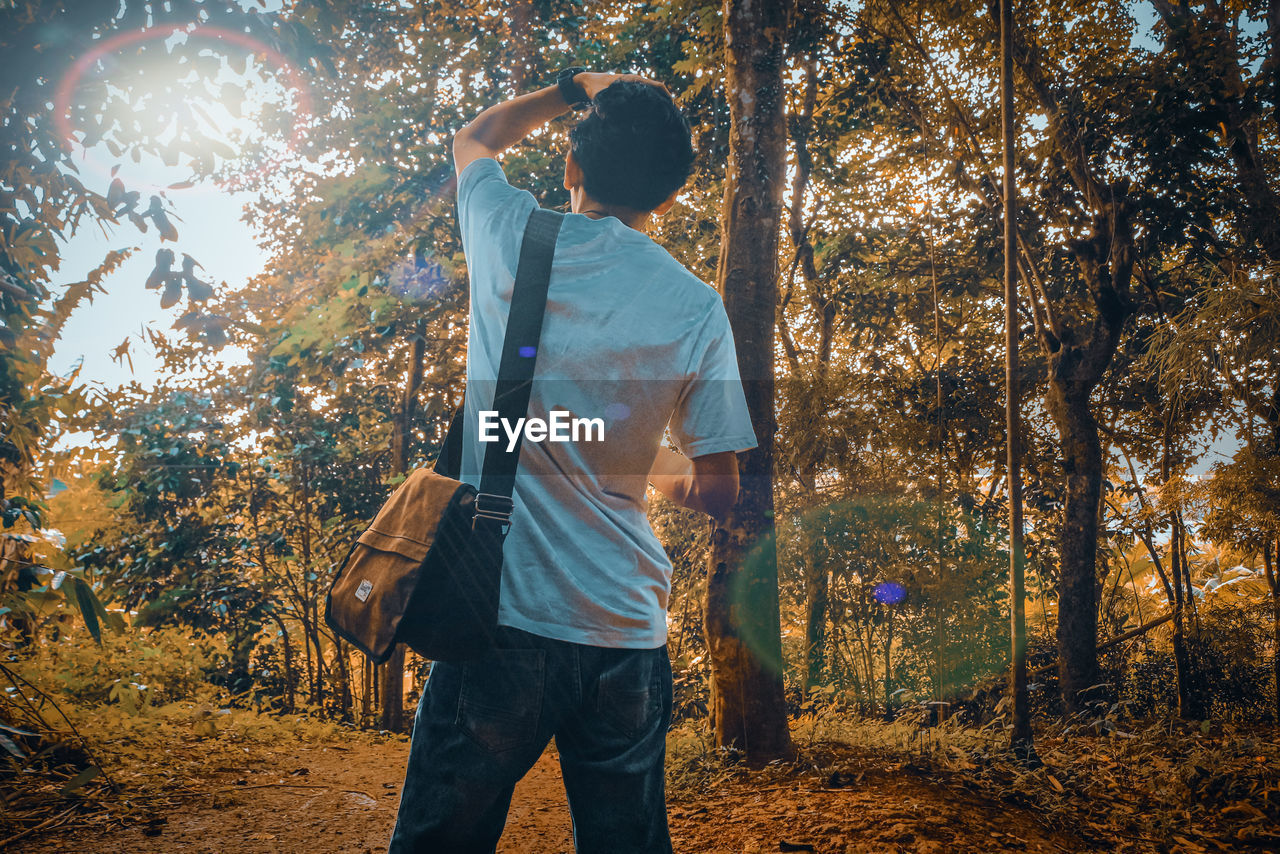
(373, 589)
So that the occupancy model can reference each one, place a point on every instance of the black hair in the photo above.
(634, 147)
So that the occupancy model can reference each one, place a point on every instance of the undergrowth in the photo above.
(125, 731)
(142, 730)
(1124, 785)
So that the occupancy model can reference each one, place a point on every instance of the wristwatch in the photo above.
(574, 95)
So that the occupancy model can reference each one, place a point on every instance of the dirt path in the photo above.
(333, 799)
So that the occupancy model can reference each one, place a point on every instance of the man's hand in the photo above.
(595, 82)
(708, 483)
(503, 125)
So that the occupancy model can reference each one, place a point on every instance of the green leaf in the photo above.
(80, 779)
(8, 745)
(87, 602)
(113, 621)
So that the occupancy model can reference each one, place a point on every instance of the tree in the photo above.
(1078, 355)
(1211, 350)
(401, 437)
(742, 617)
(1242, 501)
(60, 55)
(1021, 715)
(1079, 316)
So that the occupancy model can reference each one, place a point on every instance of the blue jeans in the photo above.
(481, 725)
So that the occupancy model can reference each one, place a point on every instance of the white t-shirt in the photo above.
(629, 337)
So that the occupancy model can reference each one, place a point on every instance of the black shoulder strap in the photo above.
(519, 355)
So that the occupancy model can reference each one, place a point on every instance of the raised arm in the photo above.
(501, 126)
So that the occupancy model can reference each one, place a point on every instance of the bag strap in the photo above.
(519, 356)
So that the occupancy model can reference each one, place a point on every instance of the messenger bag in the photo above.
(427, 571)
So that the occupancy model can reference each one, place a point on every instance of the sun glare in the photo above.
(199, 104)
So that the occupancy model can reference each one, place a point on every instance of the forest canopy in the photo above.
(206, 508)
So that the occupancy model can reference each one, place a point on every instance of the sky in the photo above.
(208, 219)
(210, 230)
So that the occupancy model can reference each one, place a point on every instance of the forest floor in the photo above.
(342, 798)
(291, 785)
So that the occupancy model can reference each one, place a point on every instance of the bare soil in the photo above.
(336, 798)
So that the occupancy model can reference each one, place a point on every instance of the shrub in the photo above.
(134, 668)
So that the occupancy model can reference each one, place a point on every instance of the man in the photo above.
(634, 339)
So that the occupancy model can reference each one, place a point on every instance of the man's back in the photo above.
(630, 338)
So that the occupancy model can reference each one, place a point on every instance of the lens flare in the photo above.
(889, 592)
(109, 50)
(417, 279)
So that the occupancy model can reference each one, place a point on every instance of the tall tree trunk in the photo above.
(1077, 363)
(1021, 742)
(1272, 564)
(393, 680)
(368, 691)
(309, 613)
(393, 691)
(1078, 353)
(1190, 689)
(742, 620)
(816, 574)
(307, 658)
(1188, 678)
(344, 680)
(888, 663)
(321, 670)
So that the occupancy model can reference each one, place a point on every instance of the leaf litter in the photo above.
(878, 788)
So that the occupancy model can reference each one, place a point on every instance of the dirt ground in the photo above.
(331, 798)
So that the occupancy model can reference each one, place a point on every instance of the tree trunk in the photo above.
(368, 691)
(1181, 659)
(1077, 361)
(1189, 705)
(290, 679)
(344, 680)
(1021, 739)
(1078, 354)
(393, 681)
(393, 691)
(1272, 567)
(309, 664)
(824, 307)
(742, 620)
(1078, 543)
(888, 664)
(1272, 564)
(1190, 689)
(321, 672)
(816, 597)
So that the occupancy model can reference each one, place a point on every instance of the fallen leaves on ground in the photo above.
(251, 788)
